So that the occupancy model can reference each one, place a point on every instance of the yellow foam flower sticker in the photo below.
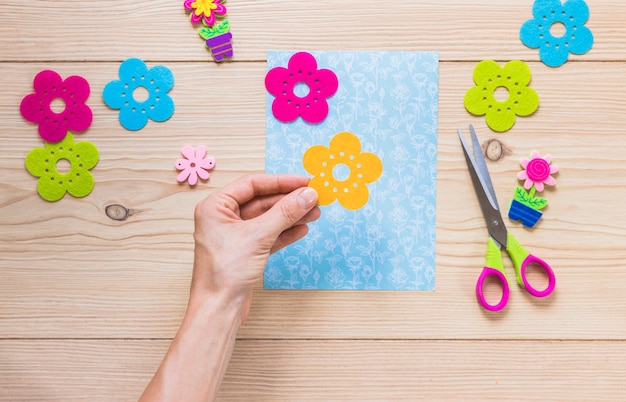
(341, 172)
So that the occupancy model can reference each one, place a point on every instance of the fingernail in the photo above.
(307, 198)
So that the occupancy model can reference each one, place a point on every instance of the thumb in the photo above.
(289, 210)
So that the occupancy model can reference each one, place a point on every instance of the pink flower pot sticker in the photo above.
(205, 10)
(526, 206)
(301, 72)
(537, 171)
(71, 92)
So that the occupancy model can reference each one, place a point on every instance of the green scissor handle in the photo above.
(521, 260)
(493, 268)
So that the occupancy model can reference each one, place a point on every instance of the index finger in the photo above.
(254, 185)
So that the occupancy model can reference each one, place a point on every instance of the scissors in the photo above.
(498, 235)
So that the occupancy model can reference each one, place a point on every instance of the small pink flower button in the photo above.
(194, 165)
(73, 92)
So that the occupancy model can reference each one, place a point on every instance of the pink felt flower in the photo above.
(537, 171)
(72, 114)
(316, 85)
(195, 165)
(206, 10)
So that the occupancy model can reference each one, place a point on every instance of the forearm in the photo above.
(196, 362)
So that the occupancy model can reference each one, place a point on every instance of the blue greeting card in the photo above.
(380, 116)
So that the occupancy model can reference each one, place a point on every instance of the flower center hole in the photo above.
(557, 29)
(140, 94)
(501, 94)
(341, 172)
(301, 89)
(63, 166)
(57, 105)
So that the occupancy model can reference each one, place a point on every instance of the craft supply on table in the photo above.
(54, 179)
(218, 38)
(350, 186)
(501, 93)
(194, 165)
(499, 237)
(141, 94)
(558, 29)
(383, 113)
(301, 74)
(58, 105)
(537, 171)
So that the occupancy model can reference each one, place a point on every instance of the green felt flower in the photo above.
(512, 80)
(46, 162)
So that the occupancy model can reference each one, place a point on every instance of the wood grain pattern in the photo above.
(88, 303)
(279, 370)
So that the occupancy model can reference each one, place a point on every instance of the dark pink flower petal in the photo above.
(284, 111)
(315, 114)
(46, 80)
(302, 61)
(277, 80)
(76, 89)
(328, 83)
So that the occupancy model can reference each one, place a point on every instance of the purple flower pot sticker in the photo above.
(219, 40)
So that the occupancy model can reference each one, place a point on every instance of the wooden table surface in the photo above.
(89, 304)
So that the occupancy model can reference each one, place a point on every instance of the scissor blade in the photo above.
(481, 167)
(491, 212)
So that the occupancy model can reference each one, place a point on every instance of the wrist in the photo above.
(206, 307)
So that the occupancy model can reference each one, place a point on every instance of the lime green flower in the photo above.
(513, 80)
(46, 162)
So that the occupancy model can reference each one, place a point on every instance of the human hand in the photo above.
(238, 227)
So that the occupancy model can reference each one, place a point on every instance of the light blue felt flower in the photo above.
(140, 94)
(539, 32)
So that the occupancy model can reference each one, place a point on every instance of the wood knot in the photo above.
(495, 150)
(118, 212)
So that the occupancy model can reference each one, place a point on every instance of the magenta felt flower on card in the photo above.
(194, 165)
(301, 89)
(57, 105)
(205, 10)
(537, 171)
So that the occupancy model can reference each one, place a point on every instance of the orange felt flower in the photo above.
(342, 171)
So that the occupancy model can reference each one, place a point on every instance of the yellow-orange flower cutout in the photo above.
(341, 172)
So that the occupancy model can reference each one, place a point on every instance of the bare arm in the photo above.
(236, 230)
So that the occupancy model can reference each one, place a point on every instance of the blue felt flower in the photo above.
(140, 94)
(554, 48)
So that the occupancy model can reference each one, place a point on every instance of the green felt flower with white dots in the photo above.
(45, 163)
(512, 79)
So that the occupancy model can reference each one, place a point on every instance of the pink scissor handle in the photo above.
(487, 271)
(531, 259)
